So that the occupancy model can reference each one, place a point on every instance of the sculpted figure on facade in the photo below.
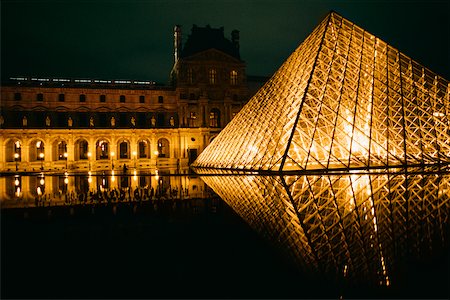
(133, 122)
(70, 122)
(47, 121)
(153, 121)
(113, 122)
(91, 122)
(24, 121)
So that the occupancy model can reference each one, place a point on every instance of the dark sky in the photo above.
(134, 39)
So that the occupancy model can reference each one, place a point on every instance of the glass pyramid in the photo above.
(343, 100)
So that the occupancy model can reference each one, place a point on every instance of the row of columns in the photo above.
(179, 142)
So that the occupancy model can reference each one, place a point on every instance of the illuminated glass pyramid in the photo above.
(344, 99)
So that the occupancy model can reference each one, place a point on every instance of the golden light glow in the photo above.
(16, 182)
(16, 155)
(41, 155)
(89, 154)
(66, 180)
(340, 111)
(308, 214)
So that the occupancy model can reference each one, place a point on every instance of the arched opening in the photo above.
(14, 151)
(102, 150)
(143, 149)
(81, 150)
(163, 148)
(214, 118)
(124, 150)
(59, 150)
(36, 152)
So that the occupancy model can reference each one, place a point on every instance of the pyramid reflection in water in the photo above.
(344, 99)
(356, 225)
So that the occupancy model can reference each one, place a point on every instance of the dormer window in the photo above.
(212, 76)
(233, 77)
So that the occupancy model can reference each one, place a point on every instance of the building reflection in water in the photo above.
(354, 225)
(61, 189)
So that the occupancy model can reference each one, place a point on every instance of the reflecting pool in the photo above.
(226, 234)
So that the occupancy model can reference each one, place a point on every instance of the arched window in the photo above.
(59, 150)
(14, 151)
(37, 150)
(102, 149)
(214, 118)
(233, 77)
(123, 150)
(163, 148)
(143, 149)
(81, 150)
(212, 76)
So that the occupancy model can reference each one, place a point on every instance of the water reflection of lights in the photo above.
(344, 223)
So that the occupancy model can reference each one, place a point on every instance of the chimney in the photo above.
(177, 42)
(235, 38)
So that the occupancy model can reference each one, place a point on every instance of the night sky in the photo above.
(134, 39)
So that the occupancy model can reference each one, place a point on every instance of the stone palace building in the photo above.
(57, 124)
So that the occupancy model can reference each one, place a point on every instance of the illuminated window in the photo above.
(160, 99)
(189, 76)
(233, 77)
(122, 98)
(82, 98)
(102, 98)
(101, 150)
(17, 96)
(163, 148)
(61, 98)
(214, 118)
(192, 120)
(40, 97)
(141, 99)
(212, 76)
(123, 150)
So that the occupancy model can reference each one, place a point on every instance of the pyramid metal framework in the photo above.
(358, 226)
(344, 99)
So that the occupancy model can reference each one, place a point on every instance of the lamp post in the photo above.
(41, 157)
(65, 157)
(16, 159)
(112, 160)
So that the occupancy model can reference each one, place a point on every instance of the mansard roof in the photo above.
(204, 38)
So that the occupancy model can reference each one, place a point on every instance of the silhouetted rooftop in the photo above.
(204, 38)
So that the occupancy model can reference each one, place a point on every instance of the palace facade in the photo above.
(56, 124)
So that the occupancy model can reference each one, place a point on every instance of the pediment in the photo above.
(213, 55)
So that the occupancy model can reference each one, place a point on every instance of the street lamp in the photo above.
(65, 157)
(16, 159)
(112, 160)
(41, 157)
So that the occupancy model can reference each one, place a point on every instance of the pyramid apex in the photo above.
(343, 100)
